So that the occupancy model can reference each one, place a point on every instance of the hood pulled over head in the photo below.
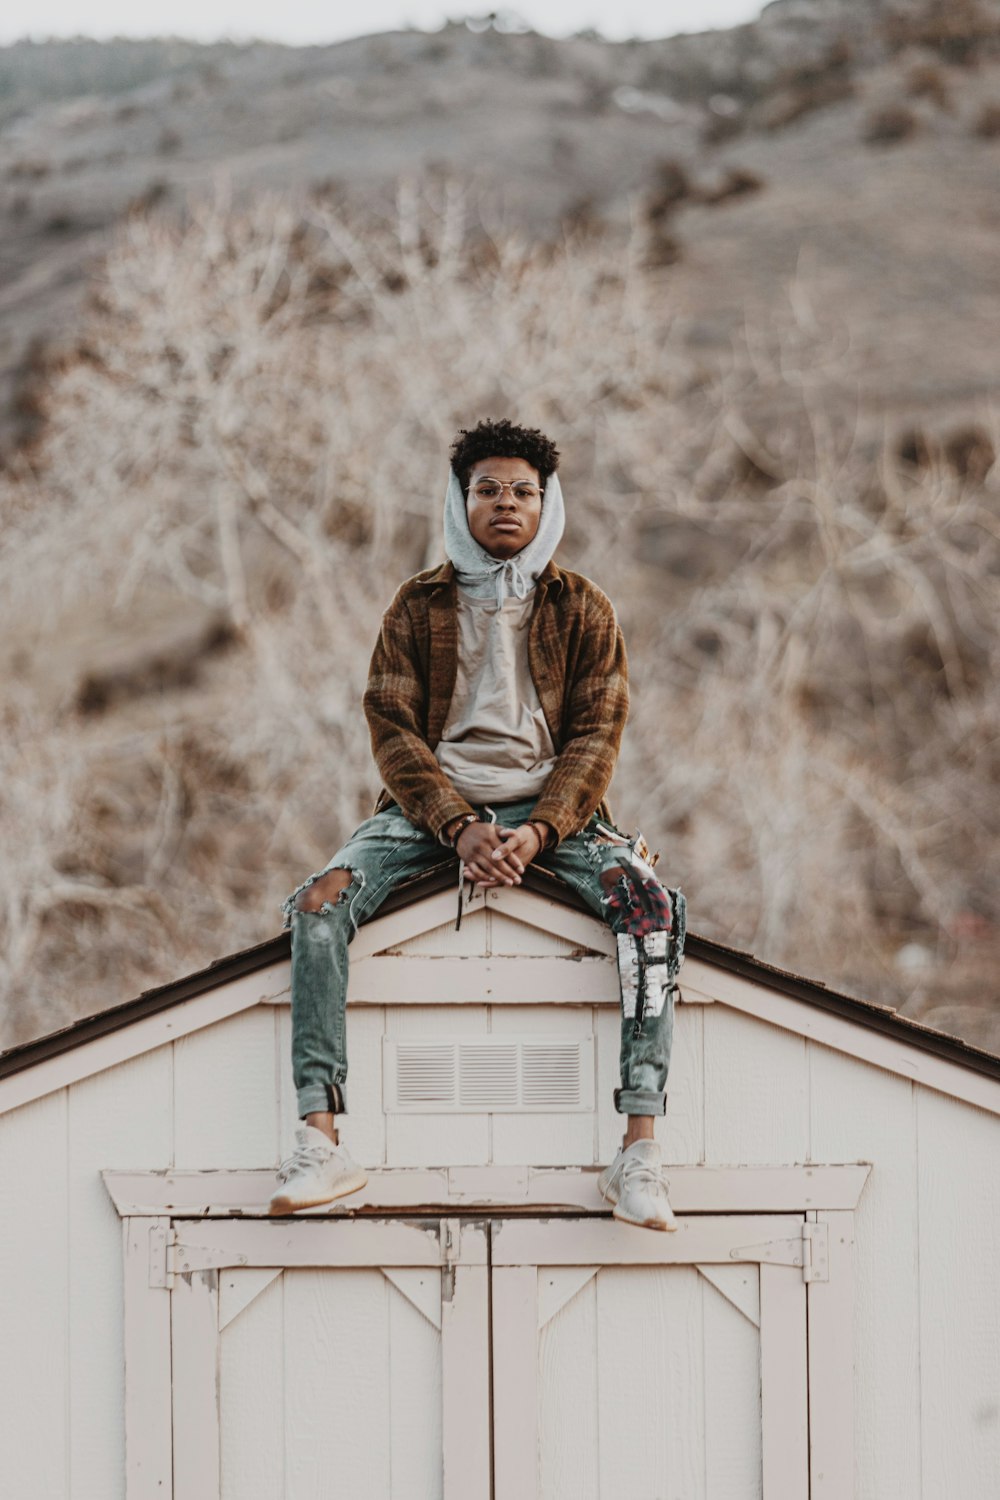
(485, 576)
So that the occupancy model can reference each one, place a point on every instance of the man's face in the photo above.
(504, 520)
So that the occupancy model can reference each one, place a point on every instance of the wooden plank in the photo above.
(225, 1112)
(364, 1126)
(609, 1124)
(284, 1083)
(688, 995)
(143, 1035)
(146, 1373)
(731, 1377)
(415, 1385)
(407, 981)
(510, 936)
(468, 1185)
(121, 1117)
(308, 1242)
(693, 1190)
(582, 1242)
(34, 1299)
(406, 922)
(756, 1082)
(470, 941)
(830, 1314)
(246, 1192)
(558, 1285)
(854, 1038)
(784, 1385)
(879, 1124)
(739, 1285)
(194, 1352)
(650, 1356)
(515, 1381)
(958, 1186)
(252, 1358)
(421, 1287)
(567, 922)
(681, 1131)
(337, 1387)
(465, 1373)
(239, 1287)
(568, 1400)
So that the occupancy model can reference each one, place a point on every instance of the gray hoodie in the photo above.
(484, 576)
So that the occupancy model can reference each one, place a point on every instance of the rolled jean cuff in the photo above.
(319, 1098)
(640, 1102)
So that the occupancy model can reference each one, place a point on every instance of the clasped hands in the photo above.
(497, 855)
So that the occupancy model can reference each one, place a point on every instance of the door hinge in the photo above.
(808, 1249)
(162, 1239)
(815, 1252)
(169, 1255)
(451, 1249)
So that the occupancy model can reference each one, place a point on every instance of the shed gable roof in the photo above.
(222, 972)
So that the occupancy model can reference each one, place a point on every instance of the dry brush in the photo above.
(255, 434)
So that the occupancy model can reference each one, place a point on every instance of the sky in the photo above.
(307, 21)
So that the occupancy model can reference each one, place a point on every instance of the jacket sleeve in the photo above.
(597, 708)
(394, 703)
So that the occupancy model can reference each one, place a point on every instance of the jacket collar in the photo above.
(443, 577)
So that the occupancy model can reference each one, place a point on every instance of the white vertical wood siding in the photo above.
(607, 1423)
(741, 1090)
(313, 1373)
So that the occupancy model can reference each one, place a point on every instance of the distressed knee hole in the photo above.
(610, 878)
(329, 887)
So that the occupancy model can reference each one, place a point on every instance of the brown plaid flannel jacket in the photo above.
(576, 655)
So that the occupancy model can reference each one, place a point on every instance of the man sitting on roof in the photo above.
(496, 699)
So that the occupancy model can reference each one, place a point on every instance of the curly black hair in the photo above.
(502, 439)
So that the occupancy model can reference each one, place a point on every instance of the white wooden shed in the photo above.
(474, 1325)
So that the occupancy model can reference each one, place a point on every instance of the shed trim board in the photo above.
(693, 1189)
(711, 974)
(149, 1465)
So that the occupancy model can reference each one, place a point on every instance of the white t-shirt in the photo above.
(495, 745)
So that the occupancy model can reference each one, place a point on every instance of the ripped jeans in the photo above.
(382, 852)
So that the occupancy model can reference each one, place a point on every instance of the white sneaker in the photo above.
(635, 1184)
(316, 1172)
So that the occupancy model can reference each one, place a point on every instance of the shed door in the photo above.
(520, 1358)
(671, 1366)
(353, 1362)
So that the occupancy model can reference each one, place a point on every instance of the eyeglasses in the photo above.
(492, 489)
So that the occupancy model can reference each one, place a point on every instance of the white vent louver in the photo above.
(425, 1075)
(492, 1075)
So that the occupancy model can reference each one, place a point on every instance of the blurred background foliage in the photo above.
(220, 472)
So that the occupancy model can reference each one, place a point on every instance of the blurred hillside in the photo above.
(747, 280)
(874, 130)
